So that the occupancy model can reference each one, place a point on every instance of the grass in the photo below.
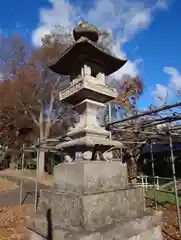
(162, 196)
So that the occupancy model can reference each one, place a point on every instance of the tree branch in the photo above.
(27, 110)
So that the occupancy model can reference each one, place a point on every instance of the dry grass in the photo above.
(12, 222)
(6, 186)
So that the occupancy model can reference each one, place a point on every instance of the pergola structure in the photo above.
(153, 124)
(148, 127)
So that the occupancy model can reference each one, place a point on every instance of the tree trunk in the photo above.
(132, 163)
(41, 160)
(132, 170)
(12, 164)
(44, 125)
(41, 165)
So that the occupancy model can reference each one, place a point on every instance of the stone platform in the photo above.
(93, 201)
(146, 227)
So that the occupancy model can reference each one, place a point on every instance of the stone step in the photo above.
(145, 227)
(38, 224)
(92, 211)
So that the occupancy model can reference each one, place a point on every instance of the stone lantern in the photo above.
(91, 199)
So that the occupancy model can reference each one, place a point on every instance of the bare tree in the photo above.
(129, 90)
(33, 93)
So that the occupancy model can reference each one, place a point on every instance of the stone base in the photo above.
(92, 201)
(143, 228)
(88, 177)
(91, 211)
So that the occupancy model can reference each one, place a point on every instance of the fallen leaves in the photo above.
(28, 175)
(12, 222)
(170, 228)
(6, 186)
(170, 223)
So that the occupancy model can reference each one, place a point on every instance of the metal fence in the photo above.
(157, 182)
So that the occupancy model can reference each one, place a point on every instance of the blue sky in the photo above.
(146, 33)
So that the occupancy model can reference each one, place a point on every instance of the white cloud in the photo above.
(124, 18)
(162, 4)
(160, 93)
(39, 33)
(175, 77)
(169, 90)
(131, 68)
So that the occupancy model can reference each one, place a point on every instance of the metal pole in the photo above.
(109, 119)
(37, 171)
(121, 152)
(148, 113)
(153, 174)
(175, 184)
(3, 149)
(22, 174)
(134, 142)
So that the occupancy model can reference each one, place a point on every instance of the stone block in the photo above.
(105, 208)
(35, 230)
(89, 236)
(151, 234)
(31, 235)
(92, 211)
(65, 207)
(38, 228)
(134, 229)
(146, 227)
(90, 177)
